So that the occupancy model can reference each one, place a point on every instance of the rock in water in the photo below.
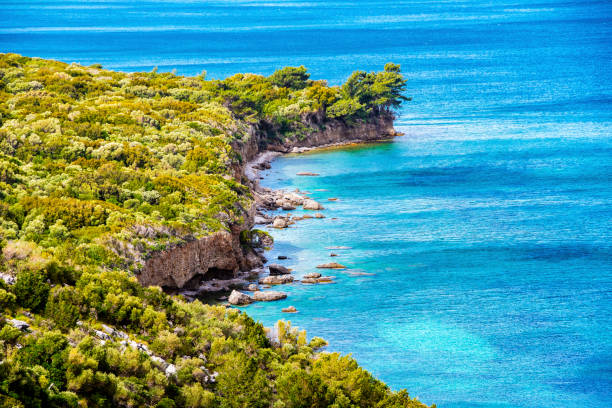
(289, 309)
(282, 257)
(276, 269)
(268, 296)
(253, 287)
(239, 298)
(276, 280)
(325, 279)
(312, 205)
(310, 281)
(312, 275)
(319, 215)
(279, 222)
(331, 265)
(307, 173)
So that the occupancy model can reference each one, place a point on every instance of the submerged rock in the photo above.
(307, 173)
(276, 269)
(325, 279)
(319, 215)
(331, 265)
(269, 296)
(310, 281)
(239, 298)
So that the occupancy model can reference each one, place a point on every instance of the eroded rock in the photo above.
(239, 298)
(269, 296)
(276, 279)
(331, 265)
(276, 269)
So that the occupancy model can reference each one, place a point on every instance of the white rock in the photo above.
(269, 296)
(19, 324)
(276, 279)
(239, 298)
(170, 370)
(312, 205)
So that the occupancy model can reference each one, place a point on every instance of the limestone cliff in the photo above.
(221, 255)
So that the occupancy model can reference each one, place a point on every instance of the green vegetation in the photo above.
(100, 169)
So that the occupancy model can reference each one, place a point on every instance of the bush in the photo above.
(32, 289)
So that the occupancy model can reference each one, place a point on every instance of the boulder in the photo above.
(319, 215)
(276, 269)
(312, 275)
(276, 280)
(269, 296)
(287, 206)
(331, 265)
(8, 279)
(239, 298)
(324, 279)
(19, 324)
(262, 220)
(294, 198)
(279, 222)
(253, 287)
(282, 257)
(310, 281)
(312, 205)
(171, 370)
(332, 254)
(290, 309)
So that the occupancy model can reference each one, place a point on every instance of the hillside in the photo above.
(101, 171)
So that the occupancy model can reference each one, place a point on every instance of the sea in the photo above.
(478, 245)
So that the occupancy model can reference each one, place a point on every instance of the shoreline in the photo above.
(267, 201)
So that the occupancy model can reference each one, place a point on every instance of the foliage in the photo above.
(101, 169)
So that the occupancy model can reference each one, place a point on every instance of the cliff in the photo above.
(221, 255)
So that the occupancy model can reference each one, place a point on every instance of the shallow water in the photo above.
(486, 228)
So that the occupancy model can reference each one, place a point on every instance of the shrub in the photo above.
(32, 289)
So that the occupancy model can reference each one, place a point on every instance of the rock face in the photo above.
(218, 255)
(276, 269)
(239, 298)
(269, 296)
(312, 205)
(331, 265)
(276, 280)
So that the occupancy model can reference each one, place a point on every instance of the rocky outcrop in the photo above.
(218, 255)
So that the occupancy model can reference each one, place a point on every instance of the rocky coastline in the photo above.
(233, 260)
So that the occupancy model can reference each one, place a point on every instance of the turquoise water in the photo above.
(481, 263)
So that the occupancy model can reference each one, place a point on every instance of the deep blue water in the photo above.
(481, 262)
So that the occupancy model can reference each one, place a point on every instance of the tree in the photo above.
(290, 77)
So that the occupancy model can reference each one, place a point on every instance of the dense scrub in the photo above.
(98, 170)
